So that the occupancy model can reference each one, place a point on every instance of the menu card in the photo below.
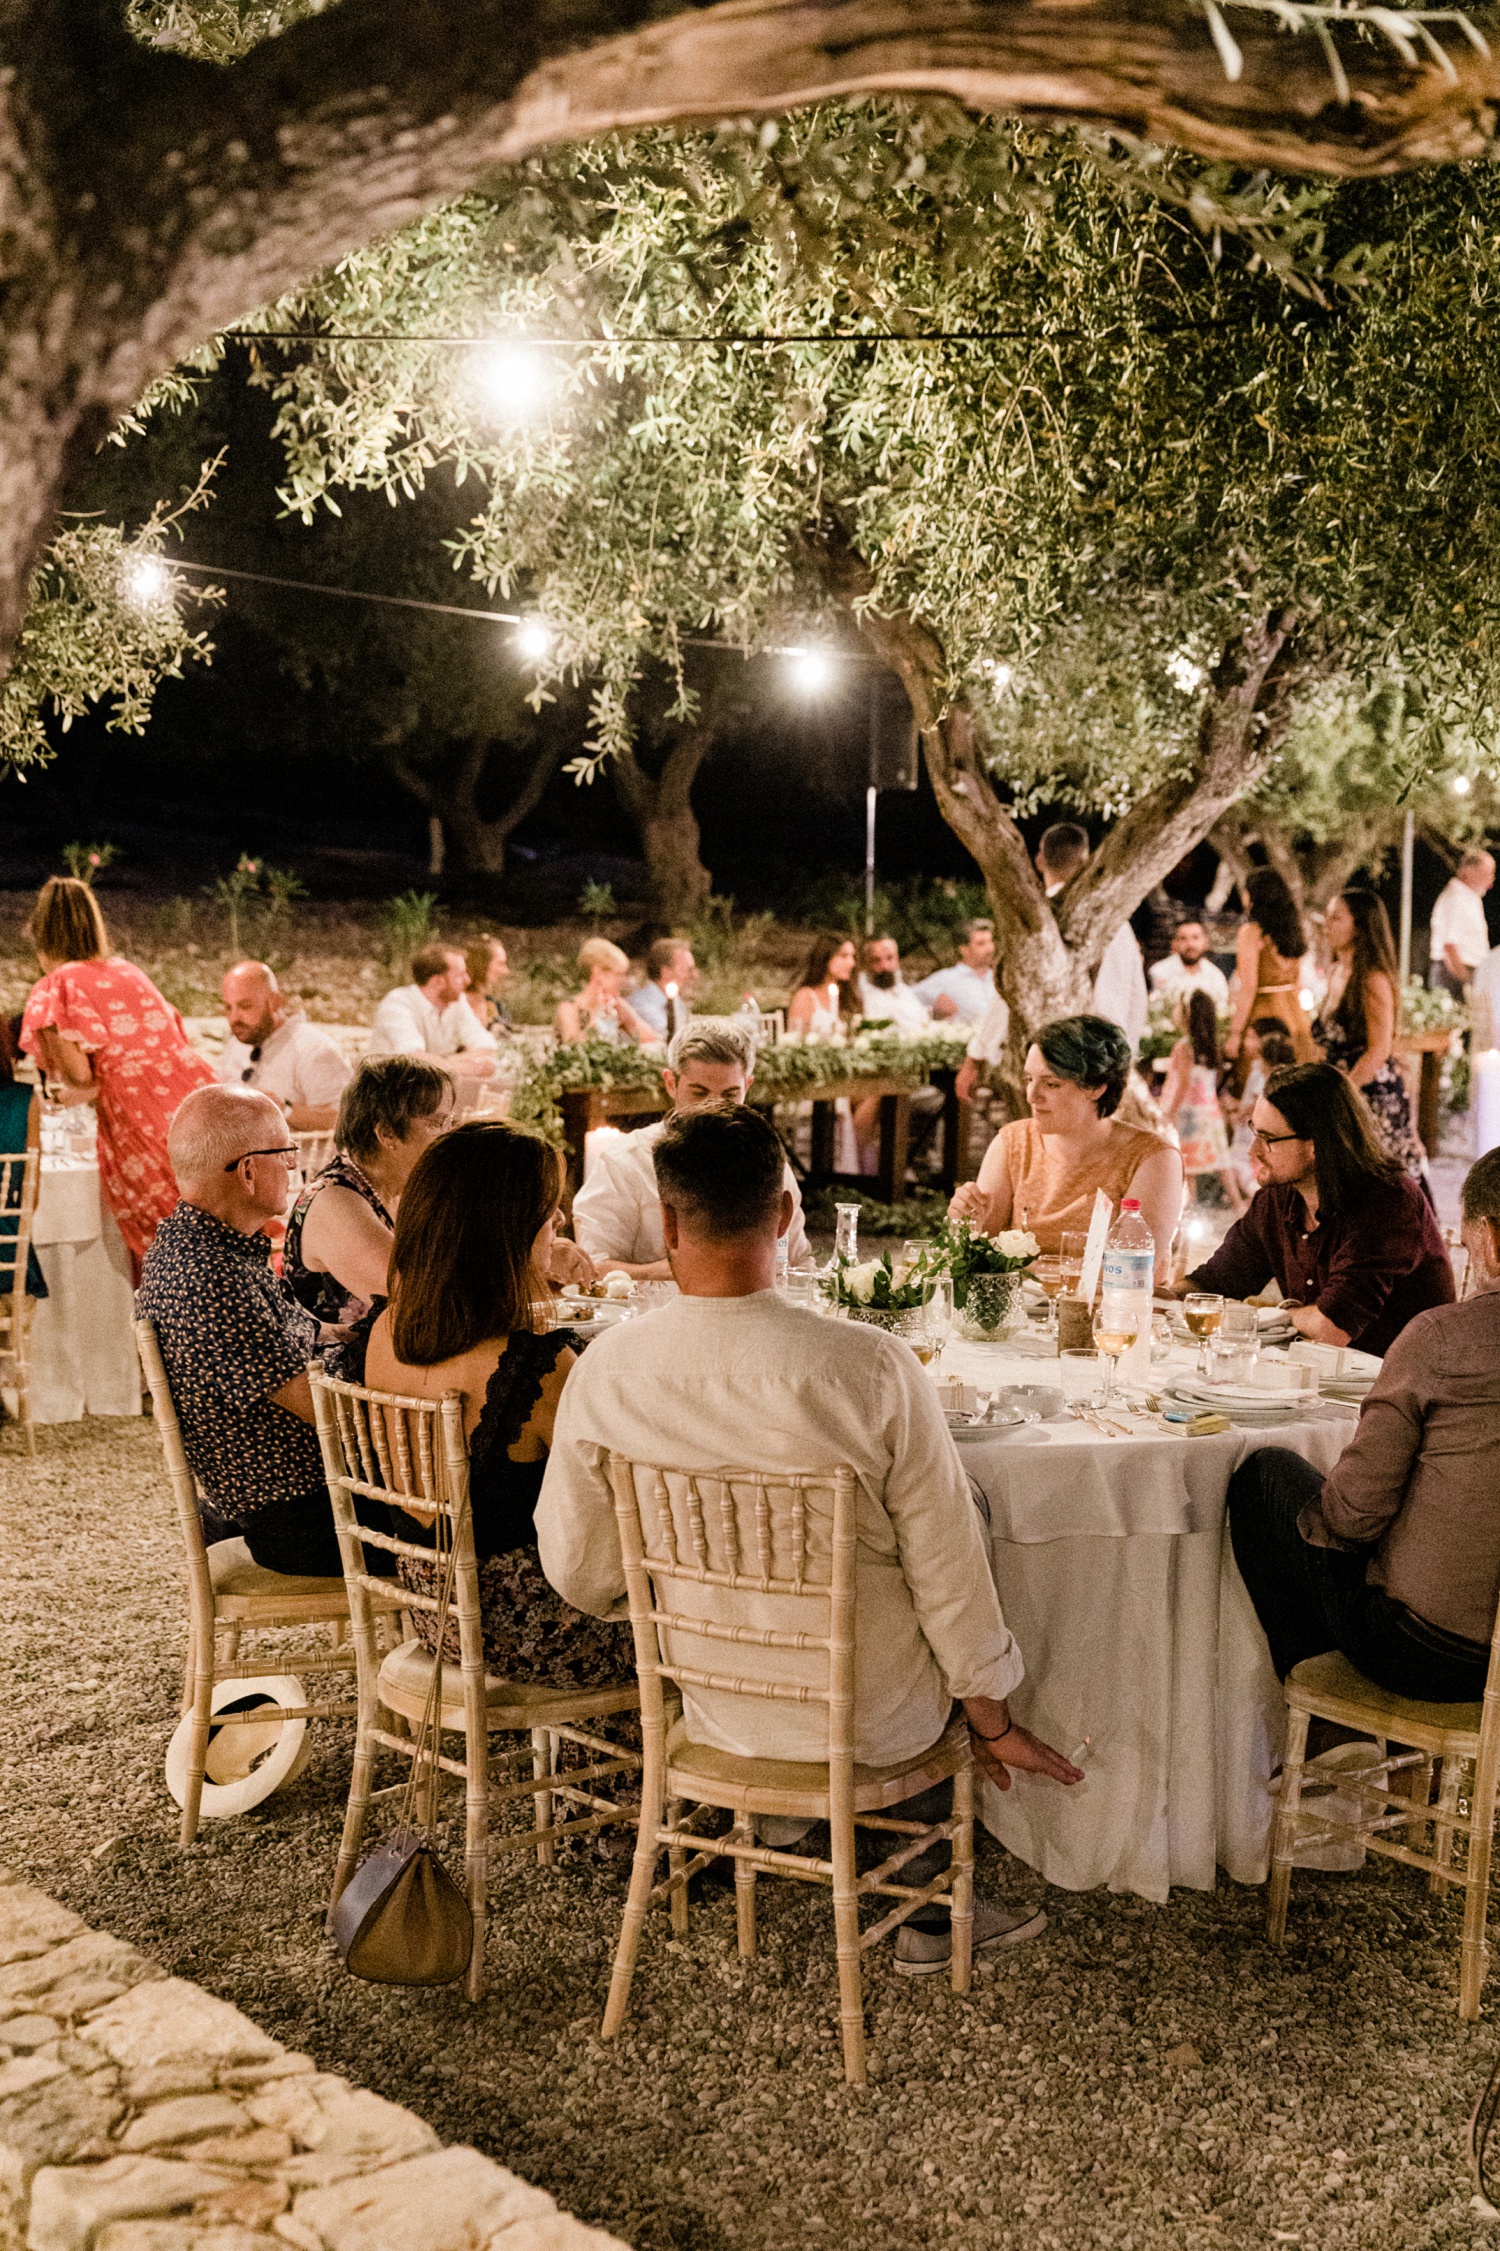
(1093, 1249)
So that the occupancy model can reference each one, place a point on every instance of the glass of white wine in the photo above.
(1048, 1275)
(1203, 1311)
(1115, 1331)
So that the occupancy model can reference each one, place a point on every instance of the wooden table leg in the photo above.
(895, 1133)
(820, 1154)
(1428, 1088)
(582, 1110)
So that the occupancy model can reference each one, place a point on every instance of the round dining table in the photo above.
(1144, 1658)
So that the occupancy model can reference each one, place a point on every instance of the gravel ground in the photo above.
(1139, 2077)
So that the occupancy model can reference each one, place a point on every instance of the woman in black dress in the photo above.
(467, 1313)
(1356, 1027)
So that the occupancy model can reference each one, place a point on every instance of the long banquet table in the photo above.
(1115, 1573)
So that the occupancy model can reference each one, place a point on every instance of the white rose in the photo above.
(859, 1281)
(1014, 1242)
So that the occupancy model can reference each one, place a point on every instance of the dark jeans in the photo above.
(1310, 1600)
(292, 1536)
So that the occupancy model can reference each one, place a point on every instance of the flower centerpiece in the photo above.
(986, 1269)
(880, 1291)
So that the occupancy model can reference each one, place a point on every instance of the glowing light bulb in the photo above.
(534, 640)
(1001, 674)
(811, 670)
(1460, 785)
(513, 378)
(147, 579)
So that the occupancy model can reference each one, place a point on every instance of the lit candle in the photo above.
(1486, 1101)
(594, 1141)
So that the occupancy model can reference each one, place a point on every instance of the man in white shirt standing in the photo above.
(274, 1049)
(431, 1018)
(1187, 968)
(730, 1374)
(665, 1001)
(1120, 983)
(967, 988)
(1460, 933)
(884, 995)
(617, 1212)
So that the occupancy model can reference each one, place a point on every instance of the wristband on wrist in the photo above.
(1000, 1738)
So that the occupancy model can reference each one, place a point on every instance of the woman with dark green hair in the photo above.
(1042, 1172)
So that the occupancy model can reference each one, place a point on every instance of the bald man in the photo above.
(234, 1340)
(274, 1048)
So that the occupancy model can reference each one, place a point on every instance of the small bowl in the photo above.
(1042, 1400)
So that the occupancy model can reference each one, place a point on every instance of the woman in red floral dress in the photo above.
(104, 1034)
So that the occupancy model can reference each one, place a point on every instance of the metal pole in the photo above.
(1408, 840)
(870, 797)
(871, 794)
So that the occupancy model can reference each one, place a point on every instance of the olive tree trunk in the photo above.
(479, 844)
(661, 807)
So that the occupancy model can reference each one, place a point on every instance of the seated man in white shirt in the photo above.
(967, 988)
(1187, 968)
(617, 1211)
(884, 995)
(729, 1373)
(665, 1001)
(431, 1018)
(276, 1050)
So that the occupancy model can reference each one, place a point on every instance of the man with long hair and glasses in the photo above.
(1346, 1234)
(1394, 1557)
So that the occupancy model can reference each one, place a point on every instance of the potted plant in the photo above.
(995, 1263)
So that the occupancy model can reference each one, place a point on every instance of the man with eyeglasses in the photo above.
(234, 1340)
(1351, 1240)
(275, 1049)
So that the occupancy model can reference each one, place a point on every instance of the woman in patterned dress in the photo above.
(1190, 1097)
(338, 1233)
(1357, 1026)
(104, 1034)
(473, 1245)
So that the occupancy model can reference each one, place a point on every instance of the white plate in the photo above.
(1000, 1425)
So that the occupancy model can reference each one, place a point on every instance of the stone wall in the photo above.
(138, 2113)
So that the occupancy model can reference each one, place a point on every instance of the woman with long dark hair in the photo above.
(1190, 1095)
(826, 1002)
(1268, 964)
(1357, 1026)
(467, 1284)
(1337, 1223)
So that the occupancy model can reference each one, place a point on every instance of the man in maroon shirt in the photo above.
(1347, 1235)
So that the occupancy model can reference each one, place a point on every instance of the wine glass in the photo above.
(1048, 1274)
(1070, 1250)
(1203, 1311)
(1116, 1327)
(937, 1309)
(913, 1251)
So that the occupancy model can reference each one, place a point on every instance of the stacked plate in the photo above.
(996, 1423)
(1241, 1402)
(1354, 1378)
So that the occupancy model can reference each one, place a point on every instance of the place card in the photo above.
(1093, 1249)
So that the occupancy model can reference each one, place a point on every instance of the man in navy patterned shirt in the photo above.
(234, 1340)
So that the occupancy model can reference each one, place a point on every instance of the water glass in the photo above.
(1241, 1322)
(937, 1308)
(1078, 1373)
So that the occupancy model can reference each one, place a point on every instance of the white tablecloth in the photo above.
(1115, 1572)
(83, 1359)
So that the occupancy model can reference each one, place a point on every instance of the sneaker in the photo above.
(923, 1953)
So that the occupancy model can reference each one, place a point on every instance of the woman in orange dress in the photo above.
(104, 1034)
(1042, 1172)
(1268, 965)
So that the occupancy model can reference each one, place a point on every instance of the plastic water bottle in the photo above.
(1129, 1272)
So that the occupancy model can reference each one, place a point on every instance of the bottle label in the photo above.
(1127, 1270)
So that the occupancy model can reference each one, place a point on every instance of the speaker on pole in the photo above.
(893, 734)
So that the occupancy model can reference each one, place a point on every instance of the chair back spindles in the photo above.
(20, 1183)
